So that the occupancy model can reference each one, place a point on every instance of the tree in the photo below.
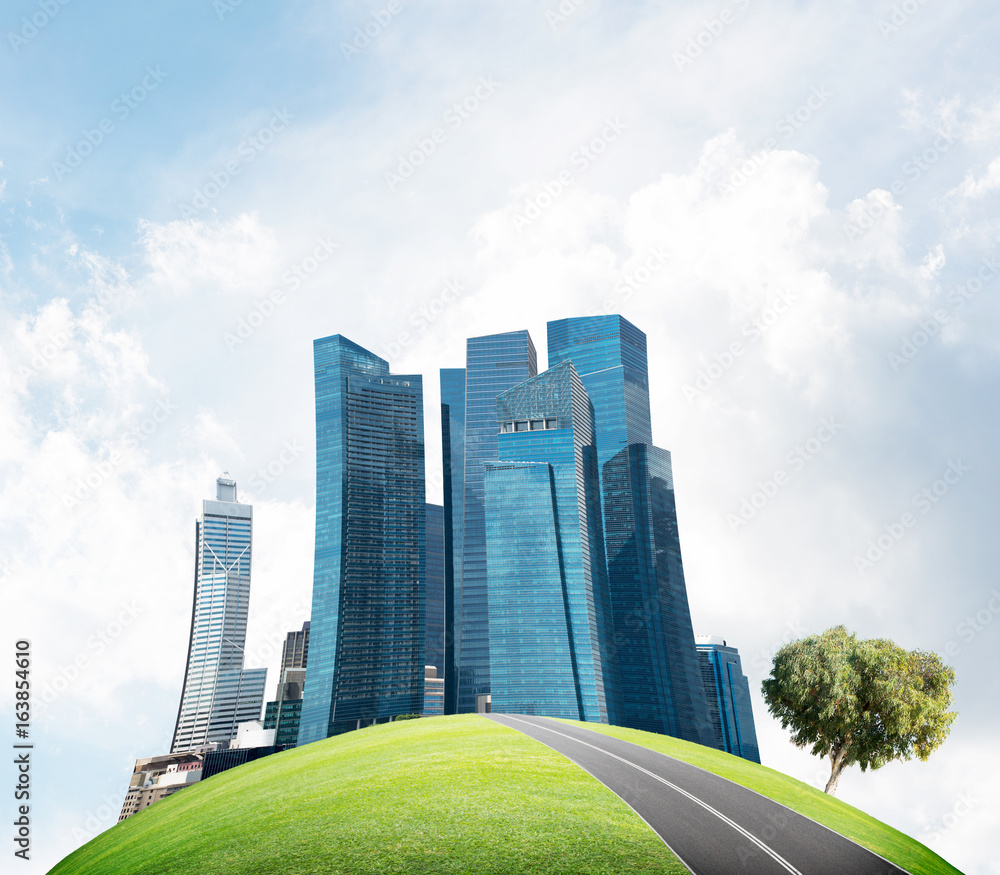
(865, 702)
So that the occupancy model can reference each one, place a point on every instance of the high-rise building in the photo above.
(366, 644)
(550, 627)
(294, 659)
(660, 681)
(218, 693)
(284, 717)
(494, 363)
(434, 636)
(295, 650)
(728, 698)
(453, 462)
(284, 713)
(609, 354)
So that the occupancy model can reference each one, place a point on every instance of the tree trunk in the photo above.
(838, 762)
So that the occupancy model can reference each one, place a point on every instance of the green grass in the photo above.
(437, 795)
(444, 794)
(890, 843)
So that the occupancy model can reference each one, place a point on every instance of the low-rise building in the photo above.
(433, 692)
(155, 778)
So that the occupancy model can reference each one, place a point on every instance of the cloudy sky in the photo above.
(797, 202)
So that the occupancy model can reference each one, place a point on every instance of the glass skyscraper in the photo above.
(453, 463)
(284, 712)
(218, 693)
(660, 682)
(728, 693)
(366, 638)
(434, 637)
(609, 354)
(549, 618)
(494, 363)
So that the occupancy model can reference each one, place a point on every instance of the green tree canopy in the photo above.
(865, 702)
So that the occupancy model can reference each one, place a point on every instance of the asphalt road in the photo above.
(714, 826)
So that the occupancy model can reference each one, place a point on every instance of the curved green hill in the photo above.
(445, 794)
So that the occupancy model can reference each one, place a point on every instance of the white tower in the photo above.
(218, 693)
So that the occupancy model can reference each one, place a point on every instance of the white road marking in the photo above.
(765, 848)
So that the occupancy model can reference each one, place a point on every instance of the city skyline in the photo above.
(796, 203)
(573, 631)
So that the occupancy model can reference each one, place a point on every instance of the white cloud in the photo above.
(748, 247)
(237, 257)
(976, 186)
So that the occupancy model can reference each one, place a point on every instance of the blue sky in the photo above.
(796, 201)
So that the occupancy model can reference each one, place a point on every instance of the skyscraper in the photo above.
(728, 693)
(218, 694)
(494, 363)
(284, 713)
(609, 354)
(434, 637)
(660, 681)
(366, 647)
(550, 624)
(453, 464)
(295, 650)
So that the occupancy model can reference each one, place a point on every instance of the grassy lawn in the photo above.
(444, 794)
(828, 810)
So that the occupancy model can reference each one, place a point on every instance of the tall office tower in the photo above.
(453, 462)
(366, 639)
(284, 713)
(295, 650)
(661, 686)
(292, 674)
(550, 625)
(494, 363)
(218, 692)
(434, 615)
(609, 354)
(728, 693)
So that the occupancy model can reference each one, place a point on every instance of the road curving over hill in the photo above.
(714, 826)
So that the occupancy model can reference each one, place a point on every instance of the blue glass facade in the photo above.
(549, 617)
(434, 635)
(494, 363)
(283, 716)
(609, 354)
(728, 693)
(660, 682)
(453, 464)
(366, 646)
(662, 689)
